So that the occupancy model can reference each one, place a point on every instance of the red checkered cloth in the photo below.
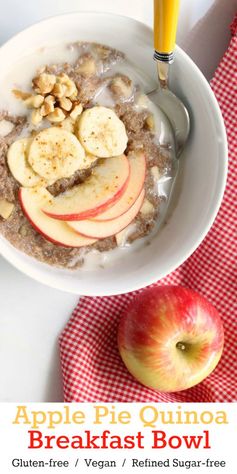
(92, 368)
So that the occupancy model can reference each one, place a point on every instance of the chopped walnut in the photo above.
(76, 111)
(34, 101)
(44, 83)
(21, 95)
(6, 127)
(49, 99)
(150, 122)
(121, 87)
(147, 207)
(102, 51)
(48, 105)
(65, 103)
(155, 172)
(59, 90)
(6, 208)
(86, 65)
(56, 97)
(23, 231)
(36, 117)
(56, 116)
(68, 84)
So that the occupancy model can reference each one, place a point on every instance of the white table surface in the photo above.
(32, 315)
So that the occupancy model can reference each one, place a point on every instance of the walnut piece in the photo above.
(36, 117)
(59, 90)
(6, 127)
(56, 116)
(76, 111)
(20, 94)
(121, 87)
(44, 83)
(147, 208)
(155, 172)
(86, 66)
(55, 98)
(6, 208)
(34, 101)
(65, 103)
(102, 51)
(48, 105)
(68, 85)
(150, 122)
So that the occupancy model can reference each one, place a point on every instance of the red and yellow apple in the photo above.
(100, 191)
(57, 232)
(170, 338)
(137, 163)
(102, 229)
(115, 185)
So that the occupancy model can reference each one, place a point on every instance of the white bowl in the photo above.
(204, 163)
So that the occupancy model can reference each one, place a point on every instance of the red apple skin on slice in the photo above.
(101, 230)
(55, 231)
(136, 180)
(102, 189)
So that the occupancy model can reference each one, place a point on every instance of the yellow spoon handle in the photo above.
(166, 14)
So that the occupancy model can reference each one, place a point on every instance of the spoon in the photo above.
(165, 26)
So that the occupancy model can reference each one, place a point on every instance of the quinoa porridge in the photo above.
(81, 157)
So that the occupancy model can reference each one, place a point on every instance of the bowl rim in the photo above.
(48, 280)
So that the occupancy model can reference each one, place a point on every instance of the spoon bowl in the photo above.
(176, 113)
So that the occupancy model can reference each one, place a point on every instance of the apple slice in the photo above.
(136, 180)
(103, 188)
(101, 230)
(32, 199)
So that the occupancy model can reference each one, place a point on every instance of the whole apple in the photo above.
(170, 338)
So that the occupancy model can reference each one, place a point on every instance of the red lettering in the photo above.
(140, 437)
(35, 439)
(104, 439)
(48, 442)
(76, 442)
(129, 442)
(159, 439)
(195, 441)
(175, 442)
(174, 439)
(62, 442)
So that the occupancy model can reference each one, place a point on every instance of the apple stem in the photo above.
(181, 346)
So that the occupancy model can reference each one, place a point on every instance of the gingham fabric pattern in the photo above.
(91, 365)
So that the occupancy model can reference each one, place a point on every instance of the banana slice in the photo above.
(101, 132)
(18, 165)
(56, 153)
